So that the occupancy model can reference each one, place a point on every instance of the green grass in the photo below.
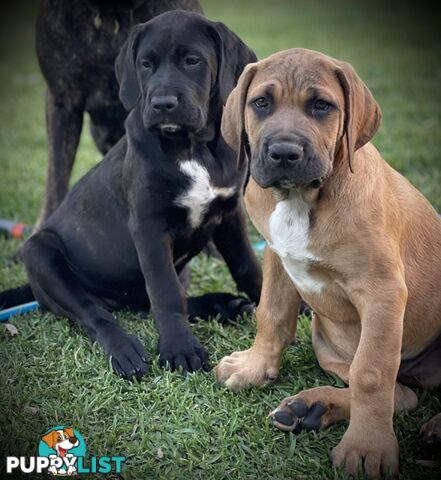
(203, 430)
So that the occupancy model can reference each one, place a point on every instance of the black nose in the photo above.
(164, 103)
(285, 154)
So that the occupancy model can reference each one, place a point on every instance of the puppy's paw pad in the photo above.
(293, 416)
(286, 421)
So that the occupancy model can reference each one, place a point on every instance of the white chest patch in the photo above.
(289, 228)
(200, 193)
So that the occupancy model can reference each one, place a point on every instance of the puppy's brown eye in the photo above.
(146, 64)
(322, 105)
(261, 102)
(192, 60)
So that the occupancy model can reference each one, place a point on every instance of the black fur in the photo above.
(119, 238)
(16, 296)
(77, 42)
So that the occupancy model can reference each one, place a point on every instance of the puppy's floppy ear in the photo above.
(232, 57)
(233, 118)
(362, 112)
(125, 69)
(50, 439)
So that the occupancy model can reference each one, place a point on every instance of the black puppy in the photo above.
(127, 229)
(77, 43)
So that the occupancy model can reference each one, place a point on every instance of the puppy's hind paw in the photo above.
(293, 416)
(225, 307)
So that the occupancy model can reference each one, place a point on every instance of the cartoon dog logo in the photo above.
(62, 440)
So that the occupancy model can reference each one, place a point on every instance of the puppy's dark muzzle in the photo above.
(172, 113)
(164, 104)
(287, 163)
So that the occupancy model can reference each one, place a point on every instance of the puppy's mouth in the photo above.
(170, 130)
(187, 120)
(170, 127)
(176, 131)
(311, 172)
(288, 184)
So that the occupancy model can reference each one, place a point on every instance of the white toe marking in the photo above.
(289, 229)
(201, 192)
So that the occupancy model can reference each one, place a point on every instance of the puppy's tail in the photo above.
(16, 296)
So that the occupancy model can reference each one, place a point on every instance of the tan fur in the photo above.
(378, 241)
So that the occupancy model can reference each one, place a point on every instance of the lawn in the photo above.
(190, 428)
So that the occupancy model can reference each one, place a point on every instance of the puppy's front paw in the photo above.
(246, 369)
(128, 356)
(376, 450)
(185, 354)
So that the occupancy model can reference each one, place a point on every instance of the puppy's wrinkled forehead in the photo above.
(174, 33)
(295, 75)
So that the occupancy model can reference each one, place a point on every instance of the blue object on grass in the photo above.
(259, 246)
(18, 310)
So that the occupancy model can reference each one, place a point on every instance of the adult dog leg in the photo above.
(107, 126)
(276, 327)
(64, 121)
(59, 290)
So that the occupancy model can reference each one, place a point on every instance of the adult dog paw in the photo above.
(246, 369)
(185, 354)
